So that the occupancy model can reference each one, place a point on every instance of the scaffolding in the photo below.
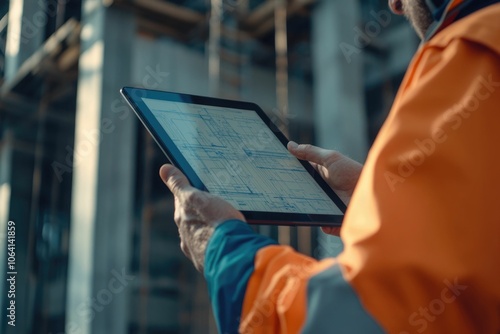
(43, 90)
(37, 131)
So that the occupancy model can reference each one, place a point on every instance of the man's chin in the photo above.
(420, 32)
(418, 15)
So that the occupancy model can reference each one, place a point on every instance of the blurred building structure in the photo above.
(96, 246)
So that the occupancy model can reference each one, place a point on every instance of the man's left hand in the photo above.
(197, 213)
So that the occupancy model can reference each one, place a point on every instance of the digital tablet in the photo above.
(233, 150)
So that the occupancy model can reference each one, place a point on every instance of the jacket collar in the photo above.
(452, 11)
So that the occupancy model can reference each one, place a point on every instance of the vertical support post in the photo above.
(99, 280)
(25, 34)
(281, 45)
(214, 47)
(145, 245)
(17, 192)
(340, 118)
(5, 172)
(5, 198)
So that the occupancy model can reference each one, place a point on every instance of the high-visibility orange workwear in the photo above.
(422, 231)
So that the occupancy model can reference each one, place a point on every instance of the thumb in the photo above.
(310, 153)
(174, 179)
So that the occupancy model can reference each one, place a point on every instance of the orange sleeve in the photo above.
(422, 233)
(276, 296)
(258, 287)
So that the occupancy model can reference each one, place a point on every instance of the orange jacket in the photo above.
(422, 232)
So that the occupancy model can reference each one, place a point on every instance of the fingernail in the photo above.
(293, 145)
(161, 169)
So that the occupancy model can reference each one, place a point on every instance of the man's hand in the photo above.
(340, 172)
(197, 213)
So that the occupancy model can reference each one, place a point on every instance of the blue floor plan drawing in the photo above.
(238, 157)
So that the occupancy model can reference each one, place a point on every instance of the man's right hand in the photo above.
(340, 172)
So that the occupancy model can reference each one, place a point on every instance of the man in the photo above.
(422, 230)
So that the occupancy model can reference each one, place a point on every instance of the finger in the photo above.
(321, 170)
(310, 152)
(174, 179)
(314, 165)
(178, 213)
(331, 231)
(318, 169)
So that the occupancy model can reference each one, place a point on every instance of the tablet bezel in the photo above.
(134, 98)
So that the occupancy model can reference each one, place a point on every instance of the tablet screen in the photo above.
(237, 157)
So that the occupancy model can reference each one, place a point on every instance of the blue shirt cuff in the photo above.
(229, 264)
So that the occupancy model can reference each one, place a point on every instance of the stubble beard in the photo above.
(419, 15)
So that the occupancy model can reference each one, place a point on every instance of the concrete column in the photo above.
(340, 120)
(99, 284)
(25, 32)
(5, 172)
(5, 191)
(16, 185)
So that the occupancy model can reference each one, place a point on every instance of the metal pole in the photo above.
(145, 244)
(214, 47)
(281, 45)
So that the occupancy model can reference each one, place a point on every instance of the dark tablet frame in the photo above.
(134, 98)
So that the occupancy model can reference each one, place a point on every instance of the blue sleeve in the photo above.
(229, 263)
